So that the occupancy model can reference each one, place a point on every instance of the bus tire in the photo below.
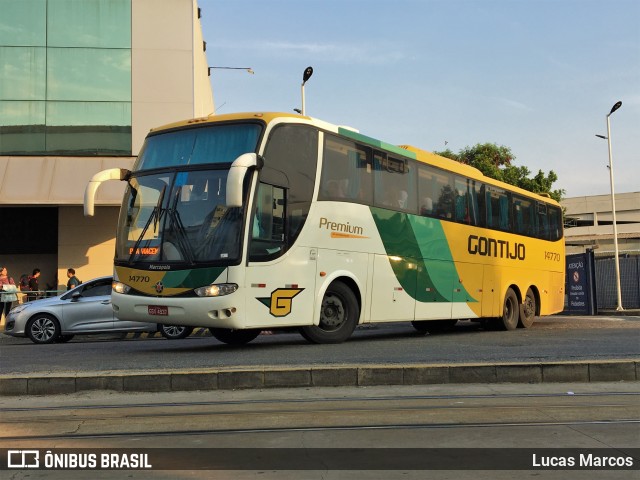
(234, 337)
(527, 310)
(441, 326)
(339, 315)
(421, 326)
(510, 311)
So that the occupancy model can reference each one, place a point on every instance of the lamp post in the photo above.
(305, 76)
(613, 208)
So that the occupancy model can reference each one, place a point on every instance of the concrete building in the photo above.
(589, 223)
(81, 83)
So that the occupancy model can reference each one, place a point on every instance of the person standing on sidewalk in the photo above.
(8, 291)
(34, 286)
(73, 280)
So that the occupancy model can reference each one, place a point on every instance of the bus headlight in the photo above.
(119, 287)
(216, 290)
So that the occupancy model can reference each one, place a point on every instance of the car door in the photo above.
(88, 308)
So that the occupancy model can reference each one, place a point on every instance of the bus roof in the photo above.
(410, 151)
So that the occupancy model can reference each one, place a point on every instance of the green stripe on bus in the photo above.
(419, 255)
(195, 278)
(376, 143)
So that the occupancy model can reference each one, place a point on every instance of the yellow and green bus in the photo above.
(247, 222)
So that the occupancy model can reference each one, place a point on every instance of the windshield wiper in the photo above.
(176, 222)
(156, 216)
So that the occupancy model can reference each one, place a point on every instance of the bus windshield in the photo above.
(180, 218)
(198, 146)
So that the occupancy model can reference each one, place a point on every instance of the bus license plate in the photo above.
(157, 310)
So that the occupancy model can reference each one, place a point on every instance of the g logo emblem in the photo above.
(281, 301)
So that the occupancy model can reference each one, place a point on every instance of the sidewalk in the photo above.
(319, 376)
(632, 312)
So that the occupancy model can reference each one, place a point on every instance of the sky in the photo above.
(537, 76)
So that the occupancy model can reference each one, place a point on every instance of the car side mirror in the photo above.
(76, 296)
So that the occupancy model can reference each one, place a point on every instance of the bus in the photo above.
(247, 222)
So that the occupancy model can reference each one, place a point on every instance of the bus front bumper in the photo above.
(220, 312)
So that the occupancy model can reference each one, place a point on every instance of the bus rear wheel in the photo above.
(234, 337)
(339, 315)
(527, 310)
(510, 311)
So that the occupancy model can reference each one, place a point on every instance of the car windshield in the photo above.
(179, 217)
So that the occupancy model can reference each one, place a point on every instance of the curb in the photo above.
(319, 376)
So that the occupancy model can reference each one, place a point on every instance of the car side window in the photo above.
(96, 289)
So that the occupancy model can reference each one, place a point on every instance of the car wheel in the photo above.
(64, 338)
(234, 337)
(339, 315)
(43, 328)
(175, 332)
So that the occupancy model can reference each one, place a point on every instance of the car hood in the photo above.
(45, 302)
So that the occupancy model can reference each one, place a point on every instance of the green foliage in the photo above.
(496, 161)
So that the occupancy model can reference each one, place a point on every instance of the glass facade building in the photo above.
(81, 84)
(65, 71)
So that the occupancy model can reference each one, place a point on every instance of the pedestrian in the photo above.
(24, 283)
(8, 292)
(34, 286)
(73, 280)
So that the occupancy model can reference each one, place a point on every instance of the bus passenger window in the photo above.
(435, 192)
(346, 171)
(394, 183)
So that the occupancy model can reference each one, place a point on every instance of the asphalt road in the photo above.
(551, 339)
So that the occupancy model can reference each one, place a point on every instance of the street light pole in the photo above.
(305, 76)
(613, 209)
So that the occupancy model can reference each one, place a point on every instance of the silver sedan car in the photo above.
(83, 310)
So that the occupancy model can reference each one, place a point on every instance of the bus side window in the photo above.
(555, 223)
(435, 194)
(346, 171)
(268, 223)
(543, 221)
(497, 209)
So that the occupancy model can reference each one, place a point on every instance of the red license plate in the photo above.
(157, 310)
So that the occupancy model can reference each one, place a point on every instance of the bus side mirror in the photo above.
(237, 172)
(96, 181)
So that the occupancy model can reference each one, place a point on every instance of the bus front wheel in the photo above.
(339, 316)
(510, 311)
(234, 337)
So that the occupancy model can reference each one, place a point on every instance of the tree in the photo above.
(496, 161)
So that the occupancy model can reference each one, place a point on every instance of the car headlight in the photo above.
(120, 287)
(17, 309)
(216, 290)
